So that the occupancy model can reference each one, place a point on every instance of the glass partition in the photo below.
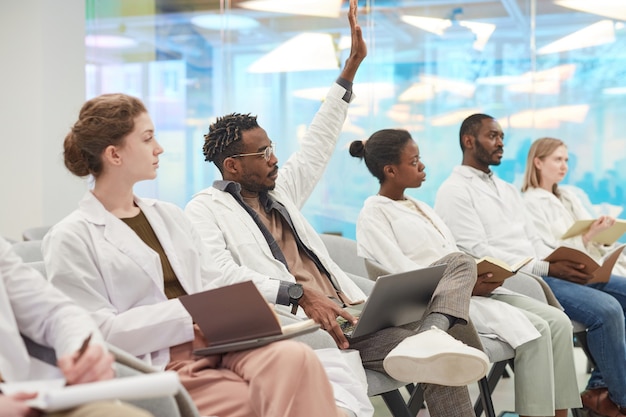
(541, 67)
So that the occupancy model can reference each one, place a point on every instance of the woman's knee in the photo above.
(609, 313)
(292, 352)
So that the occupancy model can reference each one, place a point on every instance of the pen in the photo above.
(83, 347)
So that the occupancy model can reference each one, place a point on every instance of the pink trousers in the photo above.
(281, 379)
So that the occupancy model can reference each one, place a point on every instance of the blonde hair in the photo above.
(540, 148)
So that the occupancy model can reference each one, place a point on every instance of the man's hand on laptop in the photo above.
(325, 312)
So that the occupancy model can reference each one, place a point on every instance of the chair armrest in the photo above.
(41, 352)
(364, 284)
(126, 359)
(184, 402)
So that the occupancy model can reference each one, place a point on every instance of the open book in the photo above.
(237, 317)
(601, 273)
(54, 395)
(500, 269)
(606, 237)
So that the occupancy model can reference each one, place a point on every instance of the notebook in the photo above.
(237, 317)
(395, 300)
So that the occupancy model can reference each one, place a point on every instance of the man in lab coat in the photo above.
(31, 306)
(487, 217)
(252, 226)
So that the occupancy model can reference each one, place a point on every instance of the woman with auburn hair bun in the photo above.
(127, 259)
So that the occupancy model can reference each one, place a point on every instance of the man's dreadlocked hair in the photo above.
(224, 137)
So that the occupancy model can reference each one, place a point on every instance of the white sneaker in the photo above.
(435, 357)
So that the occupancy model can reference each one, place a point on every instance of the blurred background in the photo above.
(541, 67)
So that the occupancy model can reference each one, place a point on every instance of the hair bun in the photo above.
(357, 149)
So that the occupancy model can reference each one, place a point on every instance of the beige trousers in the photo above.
(281, 379)
(545, 376)
(102, 409)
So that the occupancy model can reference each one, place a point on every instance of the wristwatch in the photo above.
(295, 292)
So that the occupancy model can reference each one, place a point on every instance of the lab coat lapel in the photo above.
(118, 234)
(235, 209)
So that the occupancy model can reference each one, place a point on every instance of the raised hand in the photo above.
(358, 50)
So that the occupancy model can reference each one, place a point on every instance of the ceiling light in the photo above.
(596, 34)
(614, 91)
(614, 9)
(418, 92)
(321, 8)
(304, 52)
(429, 24)
(453, 118)
(226, 21)
(109, 41)
(364, 93)
(547, 118)
(482, 31)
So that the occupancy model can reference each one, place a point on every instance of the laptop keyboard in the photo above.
(346, 327)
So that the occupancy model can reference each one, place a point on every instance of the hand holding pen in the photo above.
(89, 363)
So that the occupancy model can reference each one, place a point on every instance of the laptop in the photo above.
(396, 299)
(237, 317)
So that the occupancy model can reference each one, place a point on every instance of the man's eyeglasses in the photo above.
(266, 153)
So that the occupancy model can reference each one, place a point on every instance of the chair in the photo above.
(179, 405)
(499, 353)
(35, 233)
(29, 251)
(538, 289)
(343, 252)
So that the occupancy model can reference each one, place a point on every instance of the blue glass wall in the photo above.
(542, 68)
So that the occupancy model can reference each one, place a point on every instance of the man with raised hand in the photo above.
(253, 228)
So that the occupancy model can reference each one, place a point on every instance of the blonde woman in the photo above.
(553, 210)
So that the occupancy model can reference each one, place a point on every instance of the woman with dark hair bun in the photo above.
(127, 259)
(403, 234)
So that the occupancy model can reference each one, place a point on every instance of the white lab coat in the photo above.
(102, 264)
(401, 239)
(552, 218)
(486, 223)
(236, 243)
(31, 306)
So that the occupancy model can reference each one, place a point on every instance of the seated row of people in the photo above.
(127, 260)
(481, 215)
(31, 307)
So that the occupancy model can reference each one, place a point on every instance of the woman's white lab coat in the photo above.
(401, 239)
(553, 216)
(102, 264)
(31, 306)
(398, 237)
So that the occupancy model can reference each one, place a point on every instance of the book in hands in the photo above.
(605, 237)
(601, 272)
(498, 268)
(53, 395)
(237, 317)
